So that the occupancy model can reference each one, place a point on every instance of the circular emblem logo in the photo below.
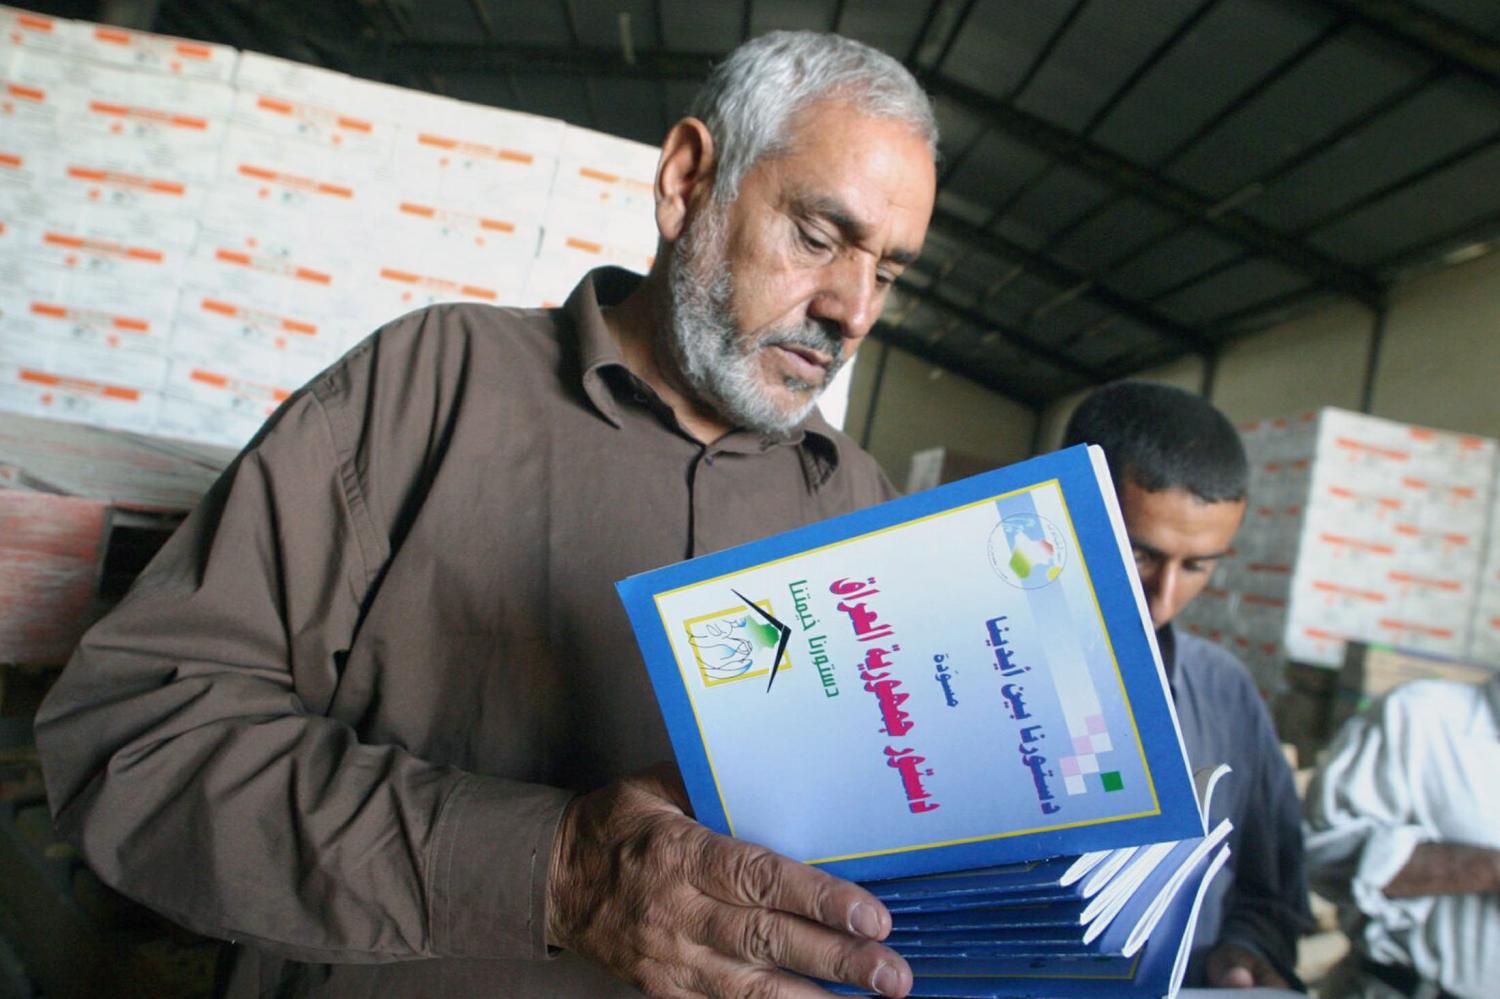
(1027, 550)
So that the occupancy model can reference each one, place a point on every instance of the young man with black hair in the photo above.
(1181, 476)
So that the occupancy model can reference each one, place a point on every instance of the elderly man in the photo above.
(375, 715)
(1404, 834)
(1181, 475)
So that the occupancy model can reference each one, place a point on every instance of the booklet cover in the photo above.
(957, 679)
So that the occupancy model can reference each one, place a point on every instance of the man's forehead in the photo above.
(1175, 522)
(861, 172)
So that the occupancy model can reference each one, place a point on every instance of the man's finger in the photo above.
(749, 875)
(765, 937)
(720, 975)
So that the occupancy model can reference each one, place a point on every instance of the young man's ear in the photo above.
(684, 176)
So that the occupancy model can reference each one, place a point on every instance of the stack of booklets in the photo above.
(956, 699)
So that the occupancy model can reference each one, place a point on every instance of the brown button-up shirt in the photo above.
(338, 718)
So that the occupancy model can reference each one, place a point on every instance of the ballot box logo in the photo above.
(741, 642)
(1027, 550)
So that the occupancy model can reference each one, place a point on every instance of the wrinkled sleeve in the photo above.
(189, 754)
(1267, 909)
(1361, 824)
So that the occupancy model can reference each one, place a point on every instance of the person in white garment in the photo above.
(1403, 832)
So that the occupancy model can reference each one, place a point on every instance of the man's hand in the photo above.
(1440, 868)
(680, 911)
(1233, 967)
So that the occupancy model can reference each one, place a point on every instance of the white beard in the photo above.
(718, 365)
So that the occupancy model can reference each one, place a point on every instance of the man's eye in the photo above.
(1193, 565)
(811, 241)
(884, 279)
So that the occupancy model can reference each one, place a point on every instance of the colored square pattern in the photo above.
(1074, 784)
(1112, 781)
(1099, 743)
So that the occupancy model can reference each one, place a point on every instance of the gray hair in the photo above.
(750, 98)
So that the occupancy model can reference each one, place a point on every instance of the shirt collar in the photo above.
(606, 380)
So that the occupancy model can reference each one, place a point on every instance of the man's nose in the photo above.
(1161, 593)
(850, 296)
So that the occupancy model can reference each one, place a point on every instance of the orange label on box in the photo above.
(439, 284)
(151, 184)
(259, 317)
(103, 247)
(34, 22)
(1370, 546)
(91, 317)
(115, 36)
(1450, 585)
(1274, 567)
(147, 114)
(25, 93)
(587, 246)
(238, 386)
(1414, 628)
(603, 177)
(1349, 591)
(81, 385)
(1386, 502)
(1351, 444)
(295, 182)
(307, 112)
(10, 160)
(440, 215)
(272, 265)
(476, 149)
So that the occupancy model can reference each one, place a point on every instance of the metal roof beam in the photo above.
(1429, 34)
(1126, 175)
(951, 360)
(1065, 277)
(1021, 341)
(489, 57)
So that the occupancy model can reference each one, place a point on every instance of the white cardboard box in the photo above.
(198, 421)
(58, 304)
(142, 50)
(28, 29)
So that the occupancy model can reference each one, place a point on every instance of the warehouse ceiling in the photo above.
(1123, 181)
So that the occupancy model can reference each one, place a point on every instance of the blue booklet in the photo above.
(1154, 971)
(958, 679)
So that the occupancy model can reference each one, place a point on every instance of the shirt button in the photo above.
(708, 459)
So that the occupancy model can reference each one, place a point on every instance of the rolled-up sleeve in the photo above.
(190, 755)
(1361, 826)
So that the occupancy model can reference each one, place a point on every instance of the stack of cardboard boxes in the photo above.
(1357, 528)
(188, 233)
(1484, 629)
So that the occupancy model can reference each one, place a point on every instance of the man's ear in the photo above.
(684, 176)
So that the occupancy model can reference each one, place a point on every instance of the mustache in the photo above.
(812, 334)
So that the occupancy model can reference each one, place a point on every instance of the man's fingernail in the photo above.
(864, 920)
(886, 980)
